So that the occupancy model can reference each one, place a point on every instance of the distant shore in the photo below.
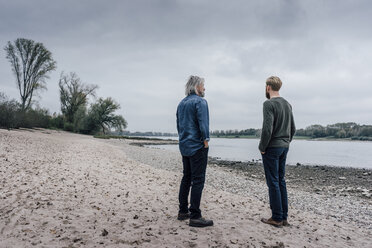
(150, 138)
(295, 138)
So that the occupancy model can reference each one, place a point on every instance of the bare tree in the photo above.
(73, 94)
(31, 62)
(102, 112)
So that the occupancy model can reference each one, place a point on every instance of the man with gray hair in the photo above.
(193, 134)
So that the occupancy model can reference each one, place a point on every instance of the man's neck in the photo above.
(274, 94)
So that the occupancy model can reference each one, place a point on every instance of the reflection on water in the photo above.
(336, 153)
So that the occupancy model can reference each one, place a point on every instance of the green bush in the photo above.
(56, 122)
(9, 112)
(35, 118)
(68, 126)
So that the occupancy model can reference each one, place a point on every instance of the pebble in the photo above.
(104, 232)
(233, 241)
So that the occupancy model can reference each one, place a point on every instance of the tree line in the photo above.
(160, 134)
(237, 133)
(349, 130)
(31, 63)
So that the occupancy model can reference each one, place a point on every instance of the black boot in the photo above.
(183, 216)
(201, 222)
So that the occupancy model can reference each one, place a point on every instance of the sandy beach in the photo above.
(59, 189)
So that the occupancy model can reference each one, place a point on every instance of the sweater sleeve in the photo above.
(293, 127)
(267, 126)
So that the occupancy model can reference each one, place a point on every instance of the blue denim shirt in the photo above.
(192, 124)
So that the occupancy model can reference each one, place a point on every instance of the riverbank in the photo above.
(327, 180)
(312, 178)
(341, 193)
(59, 189)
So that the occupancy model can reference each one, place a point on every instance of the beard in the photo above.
(267, 95)
(201, 94)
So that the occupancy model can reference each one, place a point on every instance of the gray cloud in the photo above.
(141, 53)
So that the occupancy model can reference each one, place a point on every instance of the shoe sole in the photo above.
(272, 224)
(199, 225)
(183, 218)
(277, 226)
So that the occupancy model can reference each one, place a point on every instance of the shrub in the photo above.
(35, 118)
(56, 122)
(9, 112)
(68, 126)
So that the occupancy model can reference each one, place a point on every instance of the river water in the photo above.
(356, 154)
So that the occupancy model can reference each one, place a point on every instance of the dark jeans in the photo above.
(194, 168)
(274, 165)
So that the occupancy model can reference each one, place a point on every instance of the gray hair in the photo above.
(191, 85)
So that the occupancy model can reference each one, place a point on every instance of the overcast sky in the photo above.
(141, 53)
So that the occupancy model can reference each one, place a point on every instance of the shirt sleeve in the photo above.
(202, 114)
(267, 126)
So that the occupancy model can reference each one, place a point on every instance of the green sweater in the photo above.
(278, 124)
